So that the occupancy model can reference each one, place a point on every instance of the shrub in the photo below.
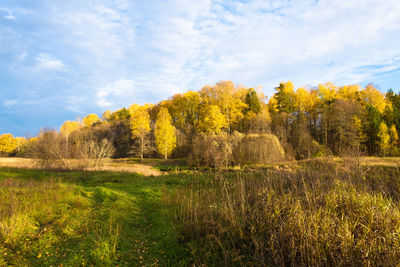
(212, 150)
(55, 151)
(226, 149)
(258, 149)
(50, 150)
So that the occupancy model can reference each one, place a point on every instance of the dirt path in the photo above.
(108, 165)
(137, 168)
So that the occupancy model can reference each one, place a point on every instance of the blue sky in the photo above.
(62, 60)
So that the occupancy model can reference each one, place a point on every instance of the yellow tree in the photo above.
(19, 142)
(211, 120)
(307, 103)
(120, 115)
(273, 105)
(7, 143)
(394, 136)
(139, 124)
(106, 116)
(177, 109)
(327, 92)
(90, 119)
(184, 109)
(349, 92)
(165, 133)
(133, 108)
(394, 139)
(304, 100)
(69, 126)
(384, 137)
(358, 125)
(227, 98)
(372, 96)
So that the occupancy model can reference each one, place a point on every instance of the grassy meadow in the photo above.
(319, 212)
(86, 218)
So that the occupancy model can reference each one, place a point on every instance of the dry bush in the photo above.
(93, 152)
(84, 150)
(226, 149)
(308, 147)
(212, 150)
(258, 149)
(183, 143)
(50, 150)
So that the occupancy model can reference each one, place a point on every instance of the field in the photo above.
(319, 212)
(84, 218)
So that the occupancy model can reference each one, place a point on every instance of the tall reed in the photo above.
(316, 214)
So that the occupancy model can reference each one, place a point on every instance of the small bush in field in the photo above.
(225, 149)
(212, 150)
(55, 151)
(258, 149)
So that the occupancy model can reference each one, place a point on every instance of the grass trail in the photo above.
(86, 218)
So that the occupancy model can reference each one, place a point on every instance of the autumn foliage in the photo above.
(305, 121)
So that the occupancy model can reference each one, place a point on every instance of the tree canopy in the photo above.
(309, 121)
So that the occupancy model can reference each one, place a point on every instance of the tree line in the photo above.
(306, 122)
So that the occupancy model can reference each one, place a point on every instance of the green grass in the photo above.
(87, 218)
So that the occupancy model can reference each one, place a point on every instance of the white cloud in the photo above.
(45, 61)
(9, 15)
(10, 102)
(102, 31)
(116, 94)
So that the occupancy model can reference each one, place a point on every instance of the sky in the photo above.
(61, 60)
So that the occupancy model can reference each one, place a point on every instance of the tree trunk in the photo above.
(67, 137)
(165, 150)
(141, 155)
(326, 132)
(340, 140)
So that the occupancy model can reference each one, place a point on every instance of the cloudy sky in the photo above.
(61, 60)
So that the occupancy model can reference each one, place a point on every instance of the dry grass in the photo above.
(17, 163)
(386, 161)
(115, 165)
(320, 214)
